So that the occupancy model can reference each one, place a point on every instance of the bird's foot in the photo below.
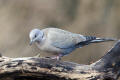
(56, 58)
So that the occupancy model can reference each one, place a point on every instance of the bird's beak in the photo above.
(31, 42)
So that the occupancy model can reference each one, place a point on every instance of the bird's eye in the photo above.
(35, 36)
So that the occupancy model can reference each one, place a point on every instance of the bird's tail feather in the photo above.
(92, 39)
(97, 40)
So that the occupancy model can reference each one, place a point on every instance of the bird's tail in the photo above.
(97, 40)
(93, 39)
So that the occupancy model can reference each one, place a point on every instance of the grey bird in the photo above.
(61, 42)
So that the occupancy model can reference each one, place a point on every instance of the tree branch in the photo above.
(35, 68)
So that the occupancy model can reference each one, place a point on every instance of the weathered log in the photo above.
(35, 68)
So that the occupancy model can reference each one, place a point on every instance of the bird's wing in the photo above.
(63, 39)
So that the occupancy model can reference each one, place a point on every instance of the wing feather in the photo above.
(63, 39)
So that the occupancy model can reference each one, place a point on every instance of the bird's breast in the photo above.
(47, 47)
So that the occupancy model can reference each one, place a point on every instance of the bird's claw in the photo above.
(56, 58)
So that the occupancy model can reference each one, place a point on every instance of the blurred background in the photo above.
(99, 18)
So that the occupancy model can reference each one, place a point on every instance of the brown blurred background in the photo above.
(88, 17)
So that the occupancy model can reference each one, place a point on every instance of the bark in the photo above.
(35, 68)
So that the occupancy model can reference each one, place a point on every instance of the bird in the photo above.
(61, 42)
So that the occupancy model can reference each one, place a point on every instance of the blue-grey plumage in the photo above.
(61, 42)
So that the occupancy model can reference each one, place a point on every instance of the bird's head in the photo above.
(35, 35)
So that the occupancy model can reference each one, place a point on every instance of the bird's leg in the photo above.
(57, 57)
